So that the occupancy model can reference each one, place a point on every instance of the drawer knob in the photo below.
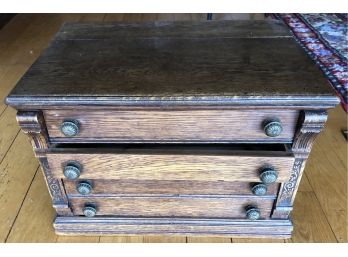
(259, 189)
(252, 213)
(84, 188)
(72, 171)
(268, 176)
(273, 128)
(70, 128)
(89, 210)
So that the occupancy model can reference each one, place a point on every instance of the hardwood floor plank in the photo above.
(8, 80)
(304, 184)
(310, 223)
(164, 239)
(148, 17)
(92, 17)
(135, 17)
(8, 130)
(209, 240)
(165, 17)
(114, 17)
(34, 221)
(338, 223)
(257, 240)
(9, 35)
(121, 239)
(327, 172)
(16, 173)
(183, 17)
(77, 239)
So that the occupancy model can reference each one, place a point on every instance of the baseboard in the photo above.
(173, 226)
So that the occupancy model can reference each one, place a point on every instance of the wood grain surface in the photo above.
(171, 125)
(174, 206)
(134, 69)
(169, 187)
(147, 166)
(181, 29)
(175, 226)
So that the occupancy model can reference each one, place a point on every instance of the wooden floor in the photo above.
(320, 212)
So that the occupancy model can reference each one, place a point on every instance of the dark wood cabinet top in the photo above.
(247, 63)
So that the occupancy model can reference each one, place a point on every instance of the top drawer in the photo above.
(170, 125)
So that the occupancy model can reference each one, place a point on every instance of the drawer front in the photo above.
(165, 206)
(170, 126)
(175, 187)
(166, 166)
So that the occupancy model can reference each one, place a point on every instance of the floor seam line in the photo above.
(9, 148)
(20, 208)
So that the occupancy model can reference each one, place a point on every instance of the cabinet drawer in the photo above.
(170, 125)
(188, 163)
(169, 187)
(164, 206)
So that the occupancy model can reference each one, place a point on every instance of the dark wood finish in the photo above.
(208, 86)
(174, 206)
(173, 226)
(147, 165)
(32, 123)
(165, 29)
(174, 126)
(167, 187)
(229, 67)
(5, 18)
(311, 123)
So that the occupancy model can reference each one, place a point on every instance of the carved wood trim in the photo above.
(32, 123)
(310, 125)
(56, 190)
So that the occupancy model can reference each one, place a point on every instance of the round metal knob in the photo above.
(252, 213)
(268, 176)
(259, 189)
(84, 188)
(70, 128)
(273, 128)
(72, 171)
(89, 210)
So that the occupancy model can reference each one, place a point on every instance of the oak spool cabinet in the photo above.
(180, 128)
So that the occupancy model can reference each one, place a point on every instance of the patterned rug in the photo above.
(324, 37)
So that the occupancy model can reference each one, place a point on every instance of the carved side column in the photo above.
(310, 125)
(32, 123)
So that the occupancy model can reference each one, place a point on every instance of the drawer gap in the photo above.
(180, 147)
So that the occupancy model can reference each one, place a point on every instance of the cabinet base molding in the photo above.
(173, 226)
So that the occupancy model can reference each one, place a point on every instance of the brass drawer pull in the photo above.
(268, 176)
(252, 213)
(273, 128)
(89, 210)
(72, 170)
(84, 188)
(70, 128)
(259, 189)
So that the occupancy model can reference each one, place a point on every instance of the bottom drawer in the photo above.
(173, 206)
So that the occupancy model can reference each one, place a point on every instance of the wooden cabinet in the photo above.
(183, 128)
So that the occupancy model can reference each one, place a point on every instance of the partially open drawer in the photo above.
(219, 163)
